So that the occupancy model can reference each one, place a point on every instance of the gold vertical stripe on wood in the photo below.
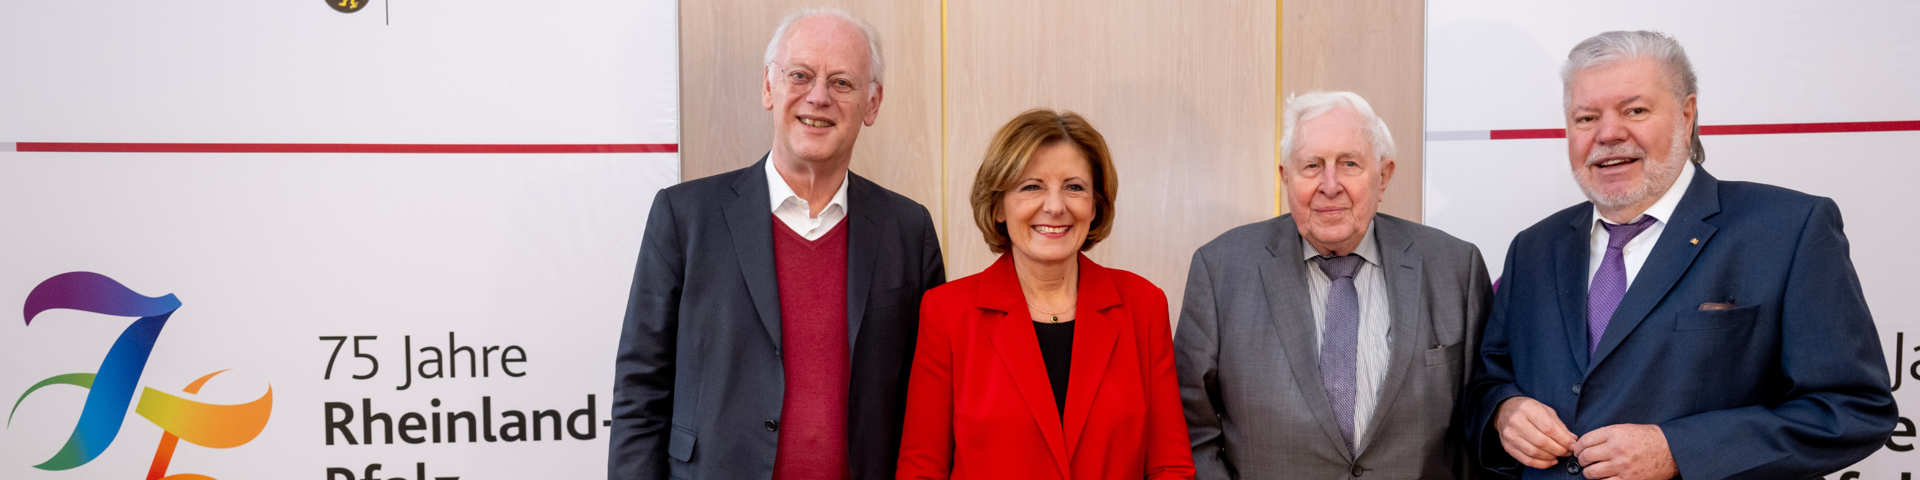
(946, 182)
(1279, 103)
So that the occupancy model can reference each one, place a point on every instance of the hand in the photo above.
(1626, 452)
(1532, 433)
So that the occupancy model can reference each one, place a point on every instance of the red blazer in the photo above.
(979, 405)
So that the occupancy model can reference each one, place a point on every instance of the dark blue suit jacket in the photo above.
(1789, 383)
(698, 381)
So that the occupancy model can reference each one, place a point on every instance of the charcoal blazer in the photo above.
(698, 381)
(1249, 358)
(1789, 382)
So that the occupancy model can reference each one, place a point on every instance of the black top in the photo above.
(1056, 348)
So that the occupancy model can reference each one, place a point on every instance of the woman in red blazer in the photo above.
(1046, 365)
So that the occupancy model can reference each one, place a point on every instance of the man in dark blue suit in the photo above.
(1676, 325)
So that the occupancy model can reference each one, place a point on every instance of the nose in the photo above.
(817, 94)
(1330, 183)
(1056, 203)
(1609, 131)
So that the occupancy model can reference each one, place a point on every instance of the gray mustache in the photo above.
(1593, 158)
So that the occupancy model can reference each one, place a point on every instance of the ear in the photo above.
(1691, 112)
(1386, 172)
(766, 88)
(873, 107)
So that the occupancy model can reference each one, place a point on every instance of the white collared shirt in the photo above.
(1373, 354)
(797, 213)
(1635, 251)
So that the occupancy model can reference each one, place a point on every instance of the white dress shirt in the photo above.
(1635, 251)
(797, 214)
(1373, 354)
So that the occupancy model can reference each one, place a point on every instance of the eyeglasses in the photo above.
(841, 87)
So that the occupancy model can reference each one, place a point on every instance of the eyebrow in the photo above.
(816, 70)
(1622, 102)
(1068, 179)
(1336, 156)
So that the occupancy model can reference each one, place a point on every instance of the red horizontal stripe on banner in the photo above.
(1754, 129)
(339, 148)
(1840, 127)
(1524, 134)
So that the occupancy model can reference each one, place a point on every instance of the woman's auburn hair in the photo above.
(1013, 148)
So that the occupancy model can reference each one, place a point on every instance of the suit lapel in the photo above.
(1094, 335)
(750, 221)
(862, 233)
(1672, 255)
(1401, 265)
(1570, 260)
(1284, 276)
(1019, 351)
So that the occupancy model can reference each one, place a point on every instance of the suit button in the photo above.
(773, 426)
(1573, 466)
(1576, 389)
(1357, 470)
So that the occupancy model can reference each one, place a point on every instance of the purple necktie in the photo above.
(1341, 341)
(1610, 283)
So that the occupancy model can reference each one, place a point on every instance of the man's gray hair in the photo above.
(1306, 107)
(1619, 46)
(875, 65)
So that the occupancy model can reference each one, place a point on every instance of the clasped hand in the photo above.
(1532, 433)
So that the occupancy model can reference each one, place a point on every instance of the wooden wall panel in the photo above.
(1183, 92)
(723, 128)
(1376, 48)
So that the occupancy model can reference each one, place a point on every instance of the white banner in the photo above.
(328, 239)
(1838, 76)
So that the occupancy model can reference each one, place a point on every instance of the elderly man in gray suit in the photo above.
(1330, 342)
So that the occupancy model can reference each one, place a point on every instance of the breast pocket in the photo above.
(1716, 319)
(1446, 354)
(884, 298)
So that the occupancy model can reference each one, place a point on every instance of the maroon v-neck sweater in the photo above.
(814, 355)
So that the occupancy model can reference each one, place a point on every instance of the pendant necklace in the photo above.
(1055, 315)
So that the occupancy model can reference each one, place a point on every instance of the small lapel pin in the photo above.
(1694, 241)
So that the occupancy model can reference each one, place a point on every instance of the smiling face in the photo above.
(1334, 181)
(814, 123)
(1626, 135)
(1049, 210)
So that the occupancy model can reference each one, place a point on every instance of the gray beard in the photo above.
(1660, 172)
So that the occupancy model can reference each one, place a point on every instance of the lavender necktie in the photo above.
(1610, 283)
(1340, 341)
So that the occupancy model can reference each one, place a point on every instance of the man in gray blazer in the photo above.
(774, 309)
(1330, 342)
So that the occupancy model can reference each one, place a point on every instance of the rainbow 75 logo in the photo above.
(112, 388)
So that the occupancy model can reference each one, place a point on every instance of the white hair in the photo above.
(1303, 108)
(875, 66)
(1611, 48)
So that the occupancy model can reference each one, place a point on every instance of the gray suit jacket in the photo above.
(1249, 365)
(699, 383)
